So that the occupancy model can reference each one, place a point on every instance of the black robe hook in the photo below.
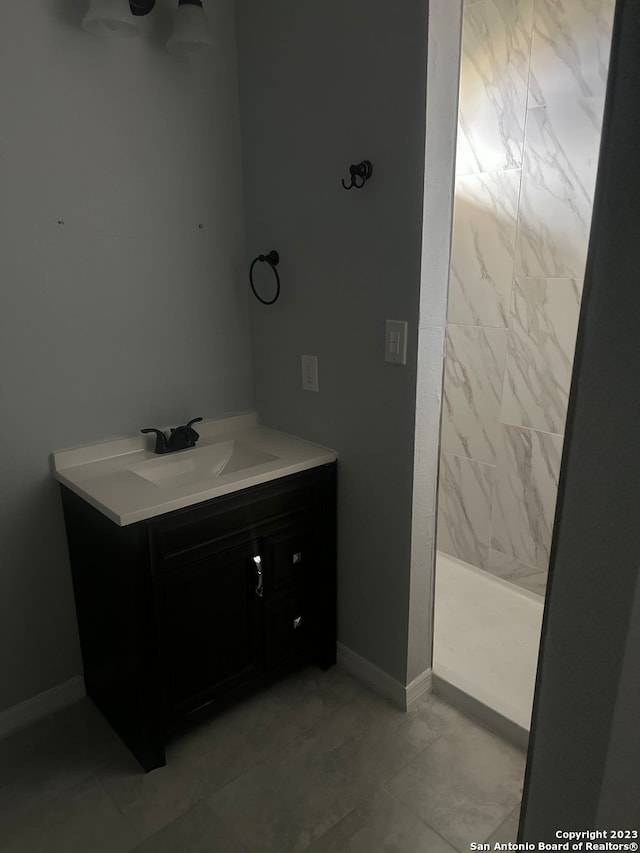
(362, 171)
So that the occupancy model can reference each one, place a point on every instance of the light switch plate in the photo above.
(309, 372)
(395, 341)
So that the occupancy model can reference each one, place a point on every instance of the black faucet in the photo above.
(181, 437)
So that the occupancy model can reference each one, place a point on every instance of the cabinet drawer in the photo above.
(292, 555)
(288, 625)
(225, 522)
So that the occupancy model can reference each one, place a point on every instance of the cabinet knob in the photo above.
(297, 557)
(260, 587)
(297, 622)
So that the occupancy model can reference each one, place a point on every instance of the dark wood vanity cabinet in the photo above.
(182, 612)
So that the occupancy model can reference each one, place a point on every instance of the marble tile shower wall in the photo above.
(533, 80)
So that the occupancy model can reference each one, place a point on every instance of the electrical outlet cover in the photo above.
(309, 372)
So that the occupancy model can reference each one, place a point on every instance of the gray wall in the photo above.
(322, 86)
(619, 804)
(117, 309)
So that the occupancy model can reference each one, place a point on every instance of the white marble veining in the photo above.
(486, 637)
(533, 79)
(514, 571)
(525, 495)
(473, 372)
(496, 40)
(464, 508)
(558, 181)
(483, 247)
(570, 49)
(543, 327)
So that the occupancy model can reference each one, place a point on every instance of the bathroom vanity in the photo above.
(197, 580)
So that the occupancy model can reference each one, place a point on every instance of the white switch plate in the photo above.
(309, 373)
(395, 341)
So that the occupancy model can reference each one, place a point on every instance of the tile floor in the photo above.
(316, 762)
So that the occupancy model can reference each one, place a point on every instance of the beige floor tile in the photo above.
(52, 757)
(378, 825)
(197, 831)
(298, 765)
(464, 785)
(82, 820)
(305, 788)
(234, 741)
(149, 801)
(507, 831)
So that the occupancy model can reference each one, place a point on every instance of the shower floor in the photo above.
(486, 639)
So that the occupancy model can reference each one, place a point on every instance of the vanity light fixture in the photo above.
(190, 31)
(115, 19)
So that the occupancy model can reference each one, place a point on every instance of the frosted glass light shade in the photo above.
(190, 32)
(111, 18)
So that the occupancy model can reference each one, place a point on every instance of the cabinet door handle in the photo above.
(260, 587)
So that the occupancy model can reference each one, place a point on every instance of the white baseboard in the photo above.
(418, 688)
(403, 696)
(31, 710)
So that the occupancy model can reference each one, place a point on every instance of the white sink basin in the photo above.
(125, 482)
(201, 463)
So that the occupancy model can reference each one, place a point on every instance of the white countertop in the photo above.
(126, 481)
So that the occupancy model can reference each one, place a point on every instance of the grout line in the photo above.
(523, 276)
(532, 429)
(125, 817)
(409, 761)
(488, 172)
(468, 458)
(524, 147)
(478, 326)
(498, 828)
(447, 730)
(229, 825)
(370, 793)
(421, 819)
(275, 750)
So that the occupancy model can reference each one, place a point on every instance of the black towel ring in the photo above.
(272, 259)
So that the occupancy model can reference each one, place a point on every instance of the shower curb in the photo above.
(514, 733)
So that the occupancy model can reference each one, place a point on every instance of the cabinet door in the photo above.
(210, 617)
